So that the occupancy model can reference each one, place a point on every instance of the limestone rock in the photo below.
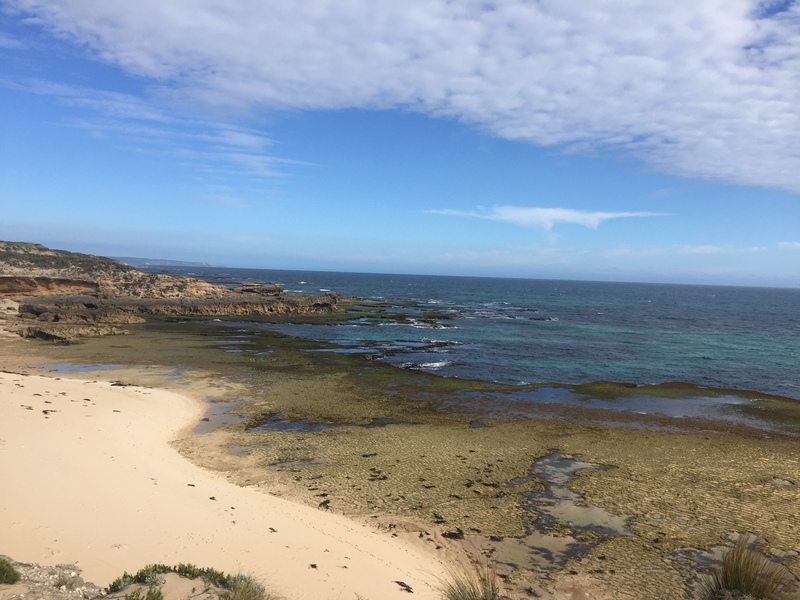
(64, 295)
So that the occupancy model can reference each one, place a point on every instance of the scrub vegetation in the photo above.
(233, 587)
(8, 574)
(746, 574)
(480, 583)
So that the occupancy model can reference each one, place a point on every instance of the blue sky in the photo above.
(628, 141)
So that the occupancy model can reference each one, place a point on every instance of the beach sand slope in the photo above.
(88, 477)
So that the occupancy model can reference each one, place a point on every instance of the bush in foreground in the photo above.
(747, 575)
(235, 587)
(8, 574)
(245, 587)
(153, 593)
(481, 583)
(150, 575)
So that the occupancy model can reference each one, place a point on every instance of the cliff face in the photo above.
(37, 286)
(33, 269)
(62, 295)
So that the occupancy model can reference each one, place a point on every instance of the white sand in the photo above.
(96, 484)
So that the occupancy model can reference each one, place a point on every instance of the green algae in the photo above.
(676, 389)
(427, 468)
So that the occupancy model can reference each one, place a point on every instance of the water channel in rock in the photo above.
(565, 527)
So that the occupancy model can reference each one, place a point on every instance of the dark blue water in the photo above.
(539, 331)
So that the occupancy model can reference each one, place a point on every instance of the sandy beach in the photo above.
(89, 478)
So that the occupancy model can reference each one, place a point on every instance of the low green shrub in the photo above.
(151, 575)
(188, 570)
(120, 583)
(153, 593)
(8, 574)
(745, 573)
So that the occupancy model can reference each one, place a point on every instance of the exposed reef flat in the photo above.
(400, 450)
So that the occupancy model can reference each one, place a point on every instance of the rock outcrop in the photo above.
(62, 295)
(38, 582)
(35, 286)
(32, 269)
(64, 582)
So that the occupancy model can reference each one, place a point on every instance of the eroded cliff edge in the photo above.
(61, 295)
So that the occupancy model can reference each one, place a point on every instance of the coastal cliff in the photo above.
(61, 295)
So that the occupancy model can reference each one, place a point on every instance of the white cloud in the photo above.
(703, 249)
(9, 43)
(790, 245)
(707, 89)
(633, 252)
(212, 147)
(696, 250)
(109, 104)
(542, 217)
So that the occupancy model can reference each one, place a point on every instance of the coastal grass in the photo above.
(150, 575)
(744, 573)
(479, 583)
(236, 587)
(8, 574)
(246, 587)
(153, 593)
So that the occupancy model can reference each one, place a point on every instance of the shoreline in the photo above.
(690, 486)
(109, 493)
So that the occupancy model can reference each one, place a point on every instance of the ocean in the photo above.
(521, 331)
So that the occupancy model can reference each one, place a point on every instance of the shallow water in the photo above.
(566, 527)
(218, 415)
(560, 505)
(537, 331)
(78, 367)
(542, 401)
(277, 422)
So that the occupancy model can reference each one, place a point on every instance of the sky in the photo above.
(618, 140)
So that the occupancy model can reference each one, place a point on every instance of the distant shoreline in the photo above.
(140, 263)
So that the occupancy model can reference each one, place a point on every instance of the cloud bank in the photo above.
(707, 89)
(542, 217)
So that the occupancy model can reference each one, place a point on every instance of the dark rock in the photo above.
(458, 534)
(263, 289)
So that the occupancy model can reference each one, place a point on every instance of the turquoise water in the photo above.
(539, 331)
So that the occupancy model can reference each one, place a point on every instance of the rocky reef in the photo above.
(59, 295)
